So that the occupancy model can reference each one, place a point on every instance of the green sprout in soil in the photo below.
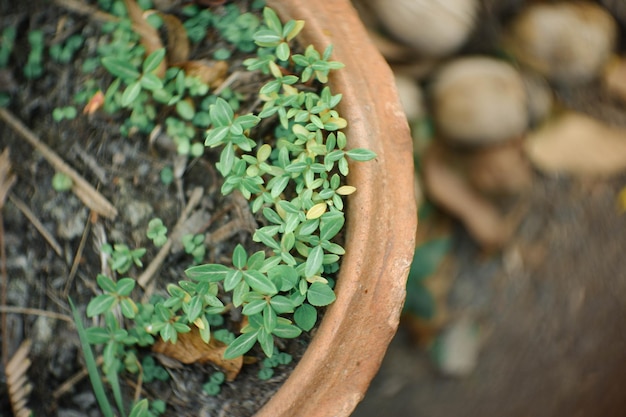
(214, 385)
(7, 43)
(293, 180)
(34, 63)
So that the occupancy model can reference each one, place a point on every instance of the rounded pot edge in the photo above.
(350, 343)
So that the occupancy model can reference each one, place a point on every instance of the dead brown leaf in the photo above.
(577, 144)
(449, 188)
(209, 72)
(95, 102)
(17, 380)
(500, 170)
(177, 40)
(190, 348)
(150, 38)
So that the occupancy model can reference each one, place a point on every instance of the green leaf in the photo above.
(320, 294)
(92, 367)
(260, 283)
(100, 304)
(266, 340)
(269, 318)
(314, 262)
(221, 113)
(153, 60)
(185, 109)
(151, 82)
(305, 317)
(215, 136)
(241, 345)
(121, 68)
(207, 273)
(193, 308)
(106, 283)
(262, 235)
(256, 260)
(239, 293)
(97, 335)
(360, 154)
(130, 94)
(286, 331)
(113, 378)
(140, 409)
(129, 308)
(271, 20)
(254, 307)
(233, 278)
(239, 257)
(286, 277)
(272, 216)
(331, 223)
(281, 304)
(227, 159)
(124, 286)
(283, 51)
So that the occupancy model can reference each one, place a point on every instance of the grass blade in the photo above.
(92, 368)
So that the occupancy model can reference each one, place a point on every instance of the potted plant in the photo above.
(350, 343)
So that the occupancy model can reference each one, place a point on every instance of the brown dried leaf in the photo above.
(150, 38)
(177, 40)
(447, 187)
(7, 178)
(211, 73)
(190, 348)
(578, 144)
(17, 380)
(95, 102)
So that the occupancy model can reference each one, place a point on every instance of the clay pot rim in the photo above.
(352, 338)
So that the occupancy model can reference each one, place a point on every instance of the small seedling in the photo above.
(157, 232)
(7, 42)
(194, 246)
(61, 182)
(63, 53)
(34, 64)
(268, 364)
(60, 113)
(152, 370)
(214, 385)
(122, 257)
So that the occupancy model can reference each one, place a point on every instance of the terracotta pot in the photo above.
(352, 338)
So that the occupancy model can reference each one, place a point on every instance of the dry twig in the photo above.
(26, 211)
(83, 190)
(158, 260)
(7, 179)
(36, 312)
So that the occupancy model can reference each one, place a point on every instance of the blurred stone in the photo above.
(431, 27)
(458, 348)
(479, 101)
(567, 42)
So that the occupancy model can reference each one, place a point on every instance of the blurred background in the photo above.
(515, 300)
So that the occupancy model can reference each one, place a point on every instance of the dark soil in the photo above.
(127, 172)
